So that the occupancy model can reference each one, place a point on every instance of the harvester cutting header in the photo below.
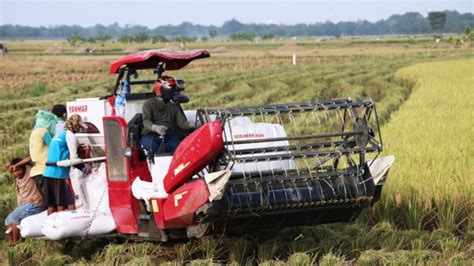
(233, 170)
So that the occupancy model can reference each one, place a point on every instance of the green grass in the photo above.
(38, 89)
(336, 243)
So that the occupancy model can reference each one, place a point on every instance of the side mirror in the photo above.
(180, 85)
(180, 98)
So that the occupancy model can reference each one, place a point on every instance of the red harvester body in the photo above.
(243, 169)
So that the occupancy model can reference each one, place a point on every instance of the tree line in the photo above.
(408, 23)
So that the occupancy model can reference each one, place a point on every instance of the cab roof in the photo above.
(149, 59)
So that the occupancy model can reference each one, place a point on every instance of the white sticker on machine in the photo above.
(180, 168)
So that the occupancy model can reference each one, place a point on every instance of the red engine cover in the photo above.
(180, 207)
(193, 154)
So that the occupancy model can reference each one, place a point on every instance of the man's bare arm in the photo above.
(24, 161)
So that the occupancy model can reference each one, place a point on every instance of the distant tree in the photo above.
(212, 32)
(347, 28)
(124, 39)
(411, 40)
(450, 40)
(73, 40)
(184, 39)
(469, 33)
(140, 37)
(104, 38)
(158, 38)
(232, 26)
(468, 30)
(437, 20)
(408, 23)
(242, 36)
(470, 37)
(457, 22)
(267, 36)
(95, 39)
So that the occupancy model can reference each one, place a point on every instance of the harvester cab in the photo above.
(242, 169)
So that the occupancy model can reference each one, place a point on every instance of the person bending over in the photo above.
(63, 146)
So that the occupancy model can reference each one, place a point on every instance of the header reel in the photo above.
(317, 159)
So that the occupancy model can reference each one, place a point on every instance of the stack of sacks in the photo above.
(91, 217)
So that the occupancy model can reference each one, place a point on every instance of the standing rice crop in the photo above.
(431, 184)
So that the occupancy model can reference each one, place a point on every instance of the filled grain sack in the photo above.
(31, 225)
(77, 223)
(103, 223)
(65, 224)
(97, 190)
(78, 182)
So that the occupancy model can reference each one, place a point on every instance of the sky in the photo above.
(153, 13)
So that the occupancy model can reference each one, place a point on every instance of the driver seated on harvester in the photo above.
(163, 118)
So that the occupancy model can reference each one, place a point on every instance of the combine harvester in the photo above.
(242, 169)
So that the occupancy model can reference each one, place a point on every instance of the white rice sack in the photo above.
(242, 130)
(78, 182)
(97, 190)
(77, 223)
(65, 224)
(102, 223)
(31, 225)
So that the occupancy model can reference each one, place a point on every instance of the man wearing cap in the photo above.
(63, 146)
(161, 117)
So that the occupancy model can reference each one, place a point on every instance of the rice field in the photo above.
(423, 94)
(433, 185)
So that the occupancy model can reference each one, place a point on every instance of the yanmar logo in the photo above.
(249, 135)
(78, 109)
